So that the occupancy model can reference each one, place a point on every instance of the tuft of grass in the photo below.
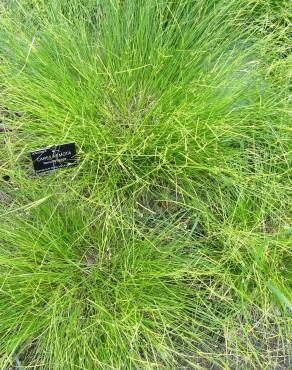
(168, 245)
(152, 99)
(85, 292)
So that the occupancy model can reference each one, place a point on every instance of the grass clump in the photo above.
(120, 301)
(150, 100)
(167, 246)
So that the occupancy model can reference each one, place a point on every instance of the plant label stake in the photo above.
(53, 157)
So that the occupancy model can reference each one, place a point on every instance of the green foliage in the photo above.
(169, 242)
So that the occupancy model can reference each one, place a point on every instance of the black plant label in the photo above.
(53, 157)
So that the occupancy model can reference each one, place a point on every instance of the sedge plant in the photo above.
(167, 246)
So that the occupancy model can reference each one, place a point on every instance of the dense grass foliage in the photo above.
(168, 245)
